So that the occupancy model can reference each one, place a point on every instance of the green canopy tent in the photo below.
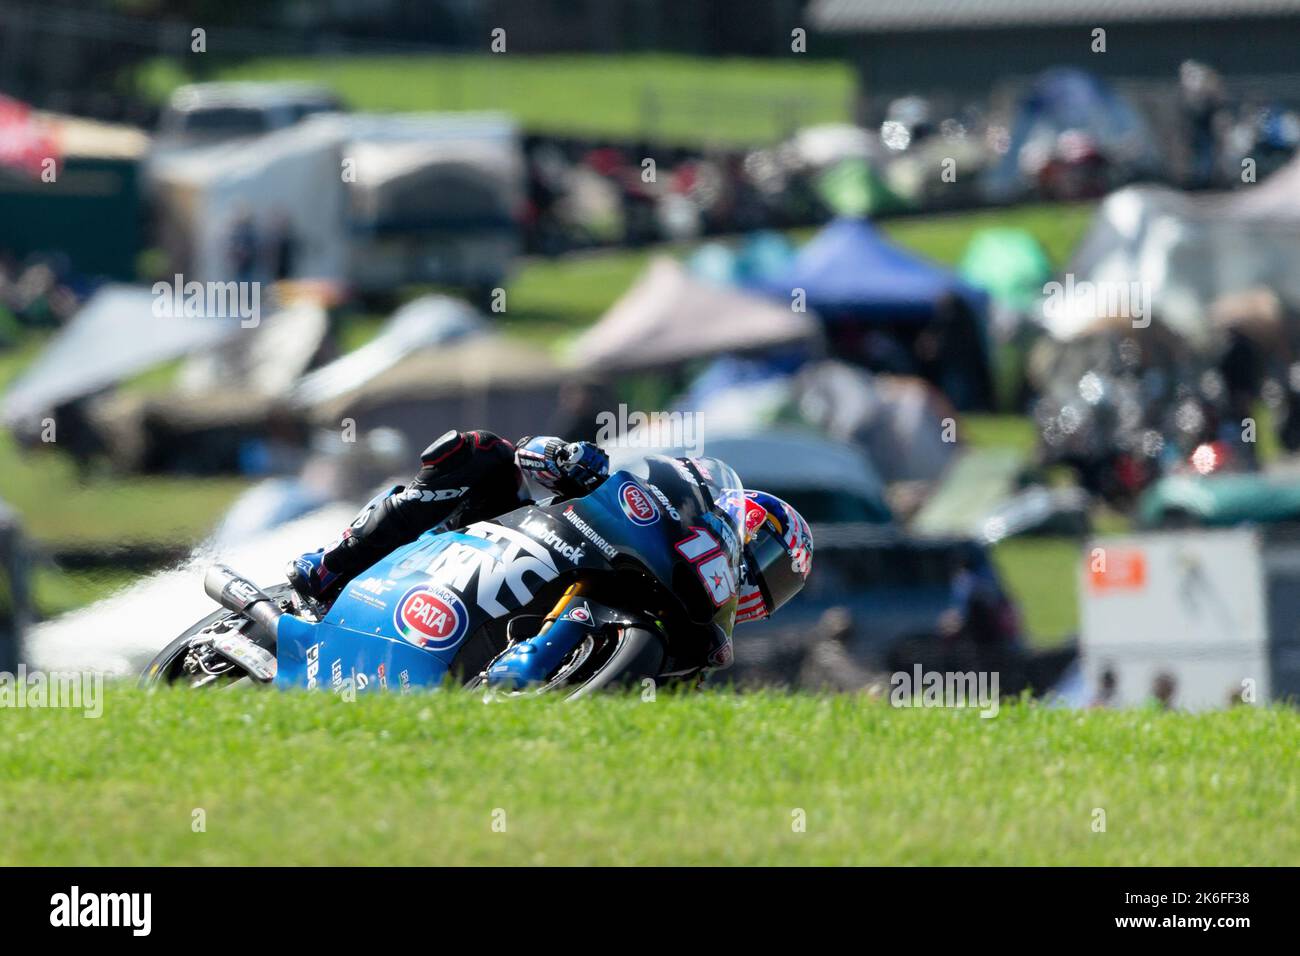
(1012, 267)
(852, 188)
(1009, 264)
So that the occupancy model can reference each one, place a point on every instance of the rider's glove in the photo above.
(583, 463)
(565, 468)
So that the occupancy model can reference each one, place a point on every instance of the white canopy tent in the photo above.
(1175, 254)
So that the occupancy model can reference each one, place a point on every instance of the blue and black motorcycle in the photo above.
(637, 580)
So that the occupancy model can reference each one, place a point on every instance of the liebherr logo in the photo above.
(500, 568)
(75, 908)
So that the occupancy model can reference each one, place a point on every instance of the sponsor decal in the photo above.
(1125, 569)
(679, 465)
(580, 614)
(441, 494)
(313, 666)
(638, 507)
(702, 468)
(543, 533)
(588, 532)
(755, 515)
(381, 675)
(721, 656)
(404, 681)
(257, 660)
(663, 500)
(362, 590)
(336, 674)
(723, 526)
(500, 565)
(430, 616)
(245, 592)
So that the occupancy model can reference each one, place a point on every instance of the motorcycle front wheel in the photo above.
(599, 662)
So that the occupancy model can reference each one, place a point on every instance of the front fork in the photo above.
(531, 659)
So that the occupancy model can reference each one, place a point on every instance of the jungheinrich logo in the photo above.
(588, 532)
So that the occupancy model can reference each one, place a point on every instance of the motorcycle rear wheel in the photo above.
(167, 667)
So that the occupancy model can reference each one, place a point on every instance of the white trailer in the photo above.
(370, 201)
(1200, 619)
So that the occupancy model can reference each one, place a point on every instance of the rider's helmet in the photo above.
(778, 555)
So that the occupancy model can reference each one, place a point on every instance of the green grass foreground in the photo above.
(697, 779)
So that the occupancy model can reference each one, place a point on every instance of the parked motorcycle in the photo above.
(637, 580)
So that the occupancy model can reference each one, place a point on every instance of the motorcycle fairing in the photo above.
(401, 623)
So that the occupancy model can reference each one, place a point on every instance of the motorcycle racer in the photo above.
(476, 475)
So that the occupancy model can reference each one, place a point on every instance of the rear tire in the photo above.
(167, 665)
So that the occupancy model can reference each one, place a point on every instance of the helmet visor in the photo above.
(778, 579)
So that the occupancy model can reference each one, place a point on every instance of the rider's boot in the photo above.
(464, 473)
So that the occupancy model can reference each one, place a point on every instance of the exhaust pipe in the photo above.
(236, 593)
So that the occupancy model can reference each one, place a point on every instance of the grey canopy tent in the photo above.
(481, 381)
(114, 336)
(426, 322)
(668, 317)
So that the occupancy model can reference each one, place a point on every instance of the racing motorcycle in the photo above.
(636, 580)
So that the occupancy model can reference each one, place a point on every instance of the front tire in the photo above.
(636, 655)
(595, 664)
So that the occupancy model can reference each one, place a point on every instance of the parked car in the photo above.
(210, 112)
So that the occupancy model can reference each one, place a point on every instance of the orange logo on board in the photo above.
(1118, 570)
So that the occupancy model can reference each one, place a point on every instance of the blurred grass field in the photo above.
(301, 780)
(672, 99)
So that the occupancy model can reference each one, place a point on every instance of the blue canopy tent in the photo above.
(892, 310)
(1064, 99)
(850, 272)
